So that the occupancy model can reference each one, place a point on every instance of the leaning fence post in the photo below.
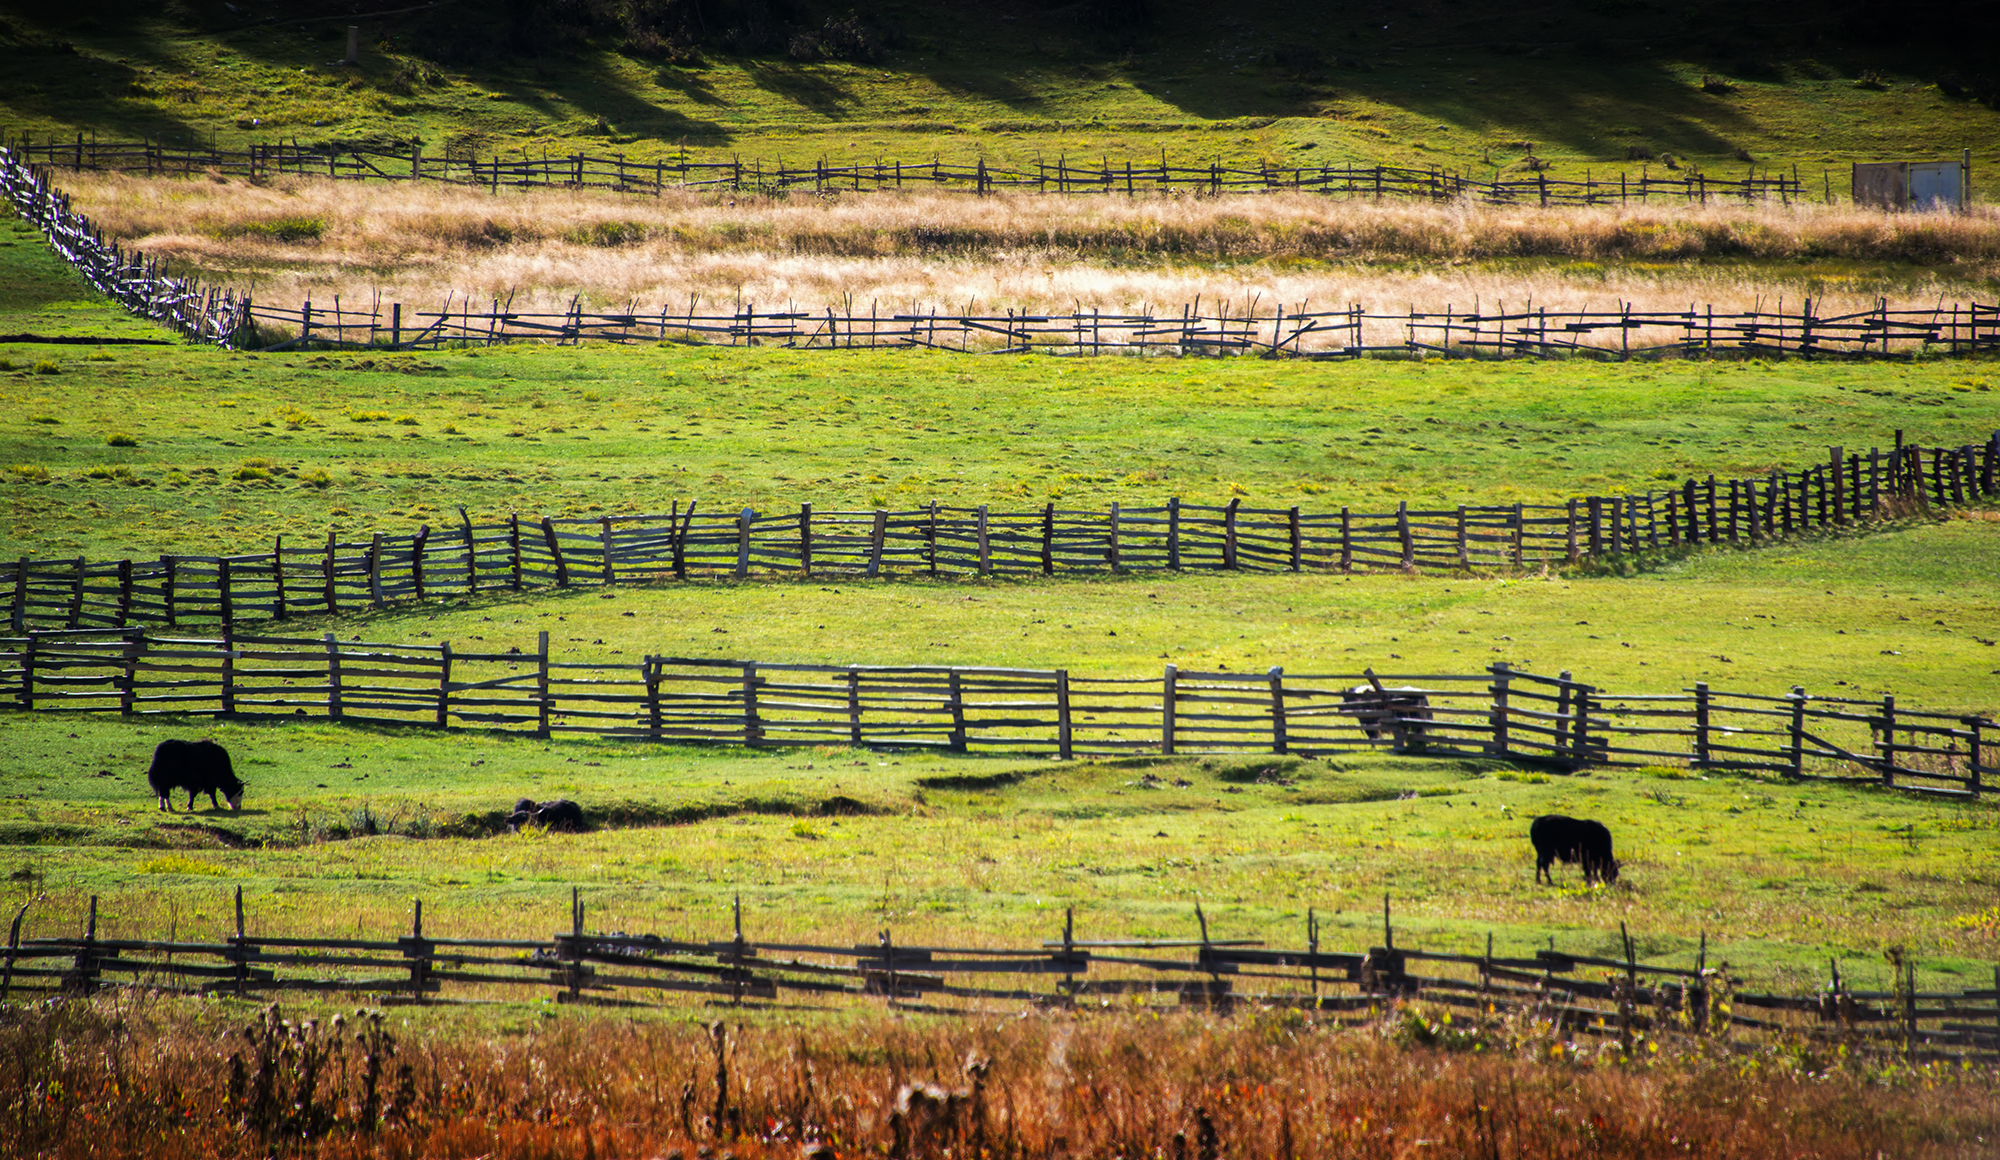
(1170, 690)
(1064, 748)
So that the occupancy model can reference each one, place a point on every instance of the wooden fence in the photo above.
(575, 966)
(1524, 332)
(206, 314)
(1501, 712)
(213, 314)
(373, 570)
(680, 171)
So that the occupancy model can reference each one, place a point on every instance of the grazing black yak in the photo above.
(1383, 710)
(196, 766)
(1572, 840)
(560, 815)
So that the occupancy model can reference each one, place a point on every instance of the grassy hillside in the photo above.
(1477, 88)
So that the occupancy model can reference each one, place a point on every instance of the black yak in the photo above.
(1572, 840)
(561, 815)
(1395, 710)
(196, 766)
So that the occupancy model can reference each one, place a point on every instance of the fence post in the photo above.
(1836, 462)
(877, 540)
(1298, 539)
(169, 568)
(1580, 735)
(1798, 730)
(957, 706)
(228, 669)
(1229, 533)
(743, 519)
(753, 728)
(1064, 749)
(1571, 532)
(514, 547)
(603, 548)
(542, 705)
(27, 694)
(853, 706)
(930, 539)
(375, 570)
(1346, 540)
(1701, 724)
(1048, 539)
(224, 603)
(128, 679)
(444, 683)
(1279, 742)
(1111, 550)
(555, 549)
(806, 540)
(1497, 714)
(1170, 690)
(1174, 532)
(333, 709)
(1403, 533)
(278, 578)
(1888, 743)
(1978, 757)
(124, 592)
(471, 554)
(1565, 699)
(1711, 509)
(985, 553)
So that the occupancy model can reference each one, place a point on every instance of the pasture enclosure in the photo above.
(1502, 712)
(1628, 997)
(294, 579)
(219, 315)
(583, 171)
(1531, 332)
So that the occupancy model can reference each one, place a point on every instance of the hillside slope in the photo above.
(1572, 84)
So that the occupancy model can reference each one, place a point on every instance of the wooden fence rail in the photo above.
(1277, 332)
(1501, 712)
(1064, 176)
(373, 570)
(205, 314)
(577, 966)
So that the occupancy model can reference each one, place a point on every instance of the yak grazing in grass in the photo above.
(1572, 840)
(196, 766)
(560, 815)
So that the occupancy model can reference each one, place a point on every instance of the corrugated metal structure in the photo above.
(1914, 185)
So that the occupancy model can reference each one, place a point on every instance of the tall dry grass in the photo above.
(135, 1077)
(299, 237)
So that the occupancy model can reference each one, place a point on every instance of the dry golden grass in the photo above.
(134, 1078)
(298, 237)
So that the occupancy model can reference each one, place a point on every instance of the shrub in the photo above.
(49, 420)
(47, 367)
(295, 419)
(369, 416)
(407, 421)
(284, 229)
(316, 478)
(120, 439)
(30, 473)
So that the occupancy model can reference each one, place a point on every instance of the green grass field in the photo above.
(987, 850)
(228, 451)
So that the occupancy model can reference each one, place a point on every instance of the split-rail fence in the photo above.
(373, 570)
(1626, 998)
(221, 316)
(1501, 712)
(680, 171)
(1523, 331)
